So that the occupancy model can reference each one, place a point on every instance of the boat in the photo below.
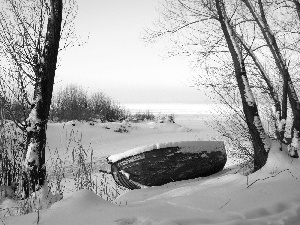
(159, 164)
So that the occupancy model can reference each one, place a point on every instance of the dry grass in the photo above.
(12, 143)
(78, 171)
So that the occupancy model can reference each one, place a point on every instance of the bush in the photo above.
(102, 107)
(69, 104)
(141, 116)
(234, 131)
(12, 144)
(73, 103)
(14, 110)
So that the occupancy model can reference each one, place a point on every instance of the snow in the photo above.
(185, 147)
(33, 120)
(125, 174)
(293, 148)
(263, 135)
(248, 93)
(42, 60)
(31, 155)
(281, 124)
(269, 196)
(44, 198)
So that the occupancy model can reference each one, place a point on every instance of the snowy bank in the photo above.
(269, 196)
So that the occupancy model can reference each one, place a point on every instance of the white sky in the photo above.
(116, 60)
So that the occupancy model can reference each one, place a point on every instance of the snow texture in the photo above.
(293, 148)
(264, 137)
(44, 198)
(32, 119)
(281, 124)
(127, 175)
(185, 147)
(31, 155)
(248, 93)
(42, 60)
(269, 196)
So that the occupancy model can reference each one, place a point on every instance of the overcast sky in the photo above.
(116, 61)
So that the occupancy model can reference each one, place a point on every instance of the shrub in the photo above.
(70, 104)
(14, 110)
(73, 103)
(141, 116)
(102, 107)
(234, 131)
(12, 144)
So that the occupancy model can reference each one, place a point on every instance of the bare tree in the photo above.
(30, 38)
(281, 110)
(192, 29)
(207, 32)
(288, 86)
(260, 140)
(23, 27)
(44, 81)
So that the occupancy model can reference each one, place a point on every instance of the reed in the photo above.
(12, 144)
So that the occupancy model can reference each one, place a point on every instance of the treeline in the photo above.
(70, 103)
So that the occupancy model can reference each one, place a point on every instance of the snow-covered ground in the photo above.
(269, 196)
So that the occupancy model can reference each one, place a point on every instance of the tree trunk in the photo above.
(280, 63)
(35, 172)
(284, 109)
(297, 4)
(258, 135)
(272, 92)
(281, 109)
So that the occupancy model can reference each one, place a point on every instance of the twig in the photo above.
(2, 220)
(225, 204)
(271, 177)
(38, 218)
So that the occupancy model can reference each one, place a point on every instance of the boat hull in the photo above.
(161, 166)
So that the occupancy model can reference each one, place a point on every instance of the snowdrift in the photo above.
(269, 196)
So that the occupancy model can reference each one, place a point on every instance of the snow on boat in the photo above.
(159, 164)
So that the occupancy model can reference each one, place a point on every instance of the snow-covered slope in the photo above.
(269, 196)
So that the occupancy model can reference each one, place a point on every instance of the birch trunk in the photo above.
(34, 162)
(258, 135)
